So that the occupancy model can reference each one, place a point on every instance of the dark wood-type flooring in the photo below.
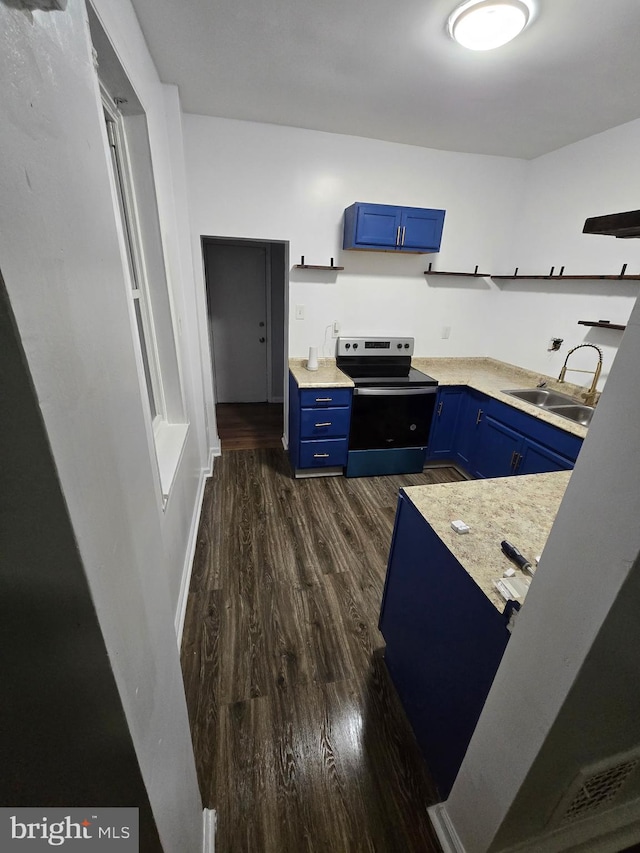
(248, 426)
(300, 741)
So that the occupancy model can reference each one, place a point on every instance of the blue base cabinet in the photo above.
(319, 421)
(444, 642)
(388, 228)
(445, 423)
(488, 438)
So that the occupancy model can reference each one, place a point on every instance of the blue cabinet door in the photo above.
(444, 642)
(372, 226)
(497, 449)
(445, 423)
(472, 409)
(421, 229)
(536, 459)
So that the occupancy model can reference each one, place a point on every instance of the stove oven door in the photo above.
(386, 417)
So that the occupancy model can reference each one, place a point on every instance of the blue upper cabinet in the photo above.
(387, 228)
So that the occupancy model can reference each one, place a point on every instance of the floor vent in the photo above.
(595, 787)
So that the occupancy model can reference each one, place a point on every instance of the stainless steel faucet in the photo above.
(590, 396)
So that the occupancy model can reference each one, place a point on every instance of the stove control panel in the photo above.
(375, 346)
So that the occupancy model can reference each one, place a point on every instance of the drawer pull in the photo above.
(328, 423)
(324, 399)
(320, 455)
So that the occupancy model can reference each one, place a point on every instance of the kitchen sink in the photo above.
(554, 401)
(542, 397)
(575, 412)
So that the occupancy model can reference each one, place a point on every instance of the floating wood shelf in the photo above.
(571, 277)
(315, 267)
(303, 266)
(601, 324)
(562, 277)
(467, 274)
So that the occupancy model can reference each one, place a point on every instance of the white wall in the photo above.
(272, 182)
(63, 271)
(278, 183)
(590, 178)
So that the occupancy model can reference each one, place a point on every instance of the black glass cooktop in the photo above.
(392, 376)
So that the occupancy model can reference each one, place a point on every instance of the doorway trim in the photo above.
(207, 370)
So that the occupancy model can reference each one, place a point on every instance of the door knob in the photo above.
(262, 340)
(261, 323)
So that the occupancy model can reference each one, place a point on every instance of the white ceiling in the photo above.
(388, 70)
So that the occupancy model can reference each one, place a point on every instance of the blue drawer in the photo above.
(329, 423)
(313, 398)
(320, 454)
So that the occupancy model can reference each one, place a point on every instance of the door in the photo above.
(237, 305)
(378, 225)
(536, 459)
(421, 229)
(497, 448)
(445, 422)
(384, 418)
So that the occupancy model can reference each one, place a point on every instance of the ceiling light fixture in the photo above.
(486, 24)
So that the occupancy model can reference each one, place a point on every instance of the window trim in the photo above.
(135, 266)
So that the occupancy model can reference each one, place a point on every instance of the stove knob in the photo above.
(406, 346)
(399, 346)
(355, 346)
(347, 346)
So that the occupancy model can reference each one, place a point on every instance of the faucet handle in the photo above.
(542, 383)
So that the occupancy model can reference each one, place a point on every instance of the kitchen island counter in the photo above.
(519, 509)
(443, 622)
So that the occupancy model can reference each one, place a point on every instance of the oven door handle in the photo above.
(393, 392)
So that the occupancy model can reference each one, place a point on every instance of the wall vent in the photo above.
(596, 788)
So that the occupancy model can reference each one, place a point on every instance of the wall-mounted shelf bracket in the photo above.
(602, 324)
(303, 266)
(474, 274)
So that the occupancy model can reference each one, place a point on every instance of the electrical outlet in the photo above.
(335, 330)
(299, 312)
(555, 344)
(446, 331)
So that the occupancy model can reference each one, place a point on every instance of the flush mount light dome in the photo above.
(485, 24)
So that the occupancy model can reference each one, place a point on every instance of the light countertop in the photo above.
(520, 509)
(326, 376)
(486, 375)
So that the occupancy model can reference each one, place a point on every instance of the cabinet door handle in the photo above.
(514, 456)
(398, 236)
(439, 412)
(479, 418)
(518, 461)
(320, 455)
(324, 399)
(403, 233)
(327, 423)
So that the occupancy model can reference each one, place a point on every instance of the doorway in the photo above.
(245, 288)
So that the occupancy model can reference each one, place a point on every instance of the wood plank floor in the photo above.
(248, 426)
(300, 741)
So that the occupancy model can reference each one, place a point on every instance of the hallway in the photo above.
(299, 738)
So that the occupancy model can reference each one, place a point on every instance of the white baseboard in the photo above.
(285, 443)
(185, 582)
(209, 820)
(447, 836)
